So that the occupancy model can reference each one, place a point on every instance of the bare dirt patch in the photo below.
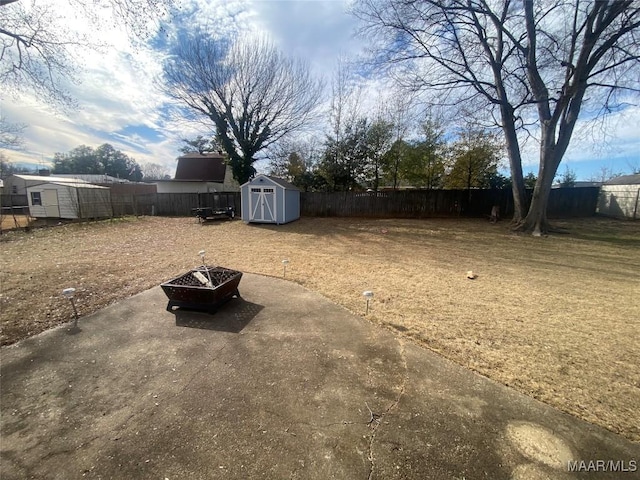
(555, 318)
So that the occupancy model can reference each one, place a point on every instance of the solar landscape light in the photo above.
(368, 295)
(69, 293)
(285, 262)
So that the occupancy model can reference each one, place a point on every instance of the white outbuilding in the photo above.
(70, 200)
(267, 199)
(17, 184)
(620, 197)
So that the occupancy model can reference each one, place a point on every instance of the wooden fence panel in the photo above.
(176, 204)
(402, 204)
(563, 202)
(133, 204)
(12, 204)
(573, 202)
(440, 203)
(13, 200)
(122, 204)
(171, 204)
(220, 200)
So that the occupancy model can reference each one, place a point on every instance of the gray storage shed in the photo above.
(268, 199)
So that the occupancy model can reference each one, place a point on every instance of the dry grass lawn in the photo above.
(9, 222)
(556, 318)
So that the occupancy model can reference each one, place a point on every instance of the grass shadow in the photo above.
(623, 233)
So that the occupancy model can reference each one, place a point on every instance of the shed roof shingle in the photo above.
(276, 180)
(283, 183)
(209, 167)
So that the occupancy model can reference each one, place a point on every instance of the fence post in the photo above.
(111, 203)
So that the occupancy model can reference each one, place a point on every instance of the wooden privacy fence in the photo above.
(565, 202)
(11, 204)
(171, 204)
(573, 202)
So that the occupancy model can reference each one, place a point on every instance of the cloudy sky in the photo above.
(120, 104)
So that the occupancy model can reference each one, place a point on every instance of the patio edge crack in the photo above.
(376, 420)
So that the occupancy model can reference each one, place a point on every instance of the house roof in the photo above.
(625, 180)
(208, 167)
(578, 184)
(173, 180)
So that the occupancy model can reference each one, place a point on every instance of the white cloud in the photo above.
(120, 104)
(116, 91)
(319, 31)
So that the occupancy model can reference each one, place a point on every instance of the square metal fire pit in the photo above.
(186, 291)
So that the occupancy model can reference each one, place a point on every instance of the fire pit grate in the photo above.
(186, 291)
(218, 277)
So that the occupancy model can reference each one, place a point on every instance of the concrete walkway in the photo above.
(281, 384)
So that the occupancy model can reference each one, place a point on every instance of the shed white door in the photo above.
(262, 204)
(50, 203)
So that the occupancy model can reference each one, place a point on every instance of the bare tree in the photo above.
(525, 64)
(346, 100)
(399, 110)
(344, 157)
(603, 174)
(11, 134)
(35, 56)
(154, 171)
(200, 144)
(37, 47)
(294, 157)
(634, 166)
(252, 93)
(141, 18)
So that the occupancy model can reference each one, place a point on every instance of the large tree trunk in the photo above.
(536, 221)
(515, 163)
(517, 185)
